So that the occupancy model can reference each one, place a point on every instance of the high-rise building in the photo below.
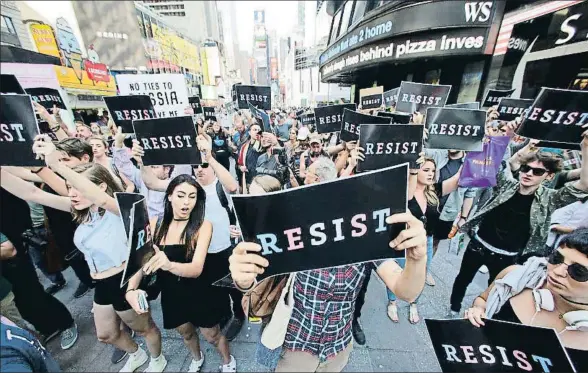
(195, 18)
(13, 30)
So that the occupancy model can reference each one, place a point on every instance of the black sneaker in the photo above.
(119, 355)
(233, 328)
(55, 287)
(81, 290)
(358, 333)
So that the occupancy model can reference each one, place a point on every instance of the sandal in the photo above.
(429, 280)
(393, 312)
(413, 314)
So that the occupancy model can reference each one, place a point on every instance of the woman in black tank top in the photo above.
(567, 280)
(188, 299)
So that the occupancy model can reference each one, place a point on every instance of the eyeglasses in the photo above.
(536, 171)
(576, 271)
(203, 165)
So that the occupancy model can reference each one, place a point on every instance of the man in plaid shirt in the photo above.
(319, 336)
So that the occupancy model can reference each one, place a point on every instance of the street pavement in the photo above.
(390, 347)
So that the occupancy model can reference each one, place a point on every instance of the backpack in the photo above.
(222, 197)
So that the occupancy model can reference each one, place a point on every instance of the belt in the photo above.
(492, 248)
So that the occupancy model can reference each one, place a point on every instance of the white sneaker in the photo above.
(195, 366)
(483, 269)
(230, 367)
(135, 360)
(157, 365)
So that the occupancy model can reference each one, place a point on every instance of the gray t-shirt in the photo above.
(283, 131)
(216, 214)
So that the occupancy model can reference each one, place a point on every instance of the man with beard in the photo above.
(250, 152)
(316, 150)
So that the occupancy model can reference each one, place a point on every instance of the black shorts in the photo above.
(108, 292)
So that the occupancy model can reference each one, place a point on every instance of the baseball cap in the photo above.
(303, 133)
(314, 139)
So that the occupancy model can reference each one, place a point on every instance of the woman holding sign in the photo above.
(188, 299)
(100, 236)
(423, 203)
(547, 292)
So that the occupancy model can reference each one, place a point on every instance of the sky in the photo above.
(279, 15)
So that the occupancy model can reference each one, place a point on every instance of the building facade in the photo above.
(377, 42)
(13, 31)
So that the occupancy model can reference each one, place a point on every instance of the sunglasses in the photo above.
(203, 165)
(536, 171)
(576, 271)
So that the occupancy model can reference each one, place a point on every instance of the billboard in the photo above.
(44, 39)
(259, 17)
(117, 37)
(274, 68)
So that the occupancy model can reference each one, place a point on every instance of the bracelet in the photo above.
(464, 217)
(37, 171)
(245, 290)
(55, 129)
(414, 173)
(128, 290)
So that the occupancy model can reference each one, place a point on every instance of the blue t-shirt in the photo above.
(20, 351)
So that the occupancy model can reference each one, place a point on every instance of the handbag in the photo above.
(480, 168)
(262, 299)
(274, 333)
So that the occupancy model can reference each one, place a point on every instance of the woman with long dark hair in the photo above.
(188, 299)
(220, 145)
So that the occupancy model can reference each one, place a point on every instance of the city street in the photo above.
(390, 347)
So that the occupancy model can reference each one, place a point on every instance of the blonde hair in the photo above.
(97, 174)
(430, 193)
(267, 183)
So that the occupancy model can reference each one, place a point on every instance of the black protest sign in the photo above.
(459, 129)
(307, 119)
(493, 96)
(556, 115)
(352, 120)
(390, 97)
(258, 96)
(168, 141)
(389, 144)
(328, 118)
(18, 128)
(465, 105)
(46, 97)
(45, 128)
(511, 108)
(297, 234)
(399, 118)
(9, 84)
(371, 101)
(559, 145)
(125, 109)
(496, 347)
(195, 104)
(135, 219)
(419, 96)
(209, 113)
(262, 118)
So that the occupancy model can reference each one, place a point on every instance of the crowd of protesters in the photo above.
(529, 232)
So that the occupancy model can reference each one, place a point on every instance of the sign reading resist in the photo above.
(371, 101)
(493, 96)
(328, 118)
(497, 346)
(18, 128)
(556, 115)
(209, 113)
(459, 129)
(465, 105)
(389, 144)
(168, 141)
(390, 97)
(352, 120)
(195, 104)
(511, 108)
(168, 92)
(419, 96)
(337, 233)
(398, 118)
(9, 84)
(135, 219)
(258, 96)
(125, 109)
(46, 97)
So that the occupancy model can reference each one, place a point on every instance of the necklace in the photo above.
(181, 219)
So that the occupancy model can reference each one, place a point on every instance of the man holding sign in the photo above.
(325, 343)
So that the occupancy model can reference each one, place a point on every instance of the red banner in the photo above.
(97, 72)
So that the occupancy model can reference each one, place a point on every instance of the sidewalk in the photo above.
(390, 347)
